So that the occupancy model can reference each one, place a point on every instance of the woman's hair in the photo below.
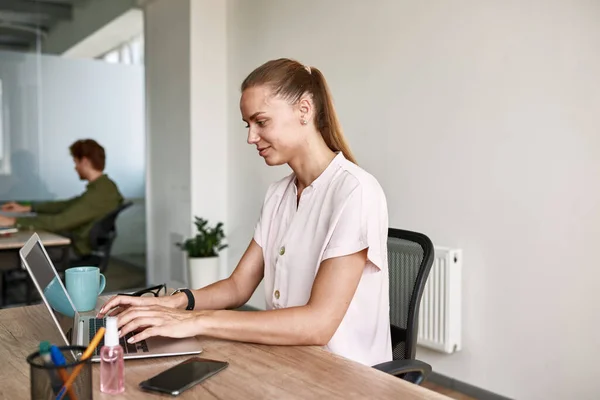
(291, 80)
(91, 150)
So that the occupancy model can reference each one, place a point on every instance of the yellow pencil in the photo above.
(86, 354)
(64, 377)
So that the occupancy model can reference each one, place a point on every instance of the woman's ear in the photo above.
(306, 109)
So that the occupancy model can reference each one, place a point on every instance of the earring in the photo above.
(303, 121)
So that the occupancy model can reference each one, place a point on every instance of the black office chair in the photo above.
(102, 236)
(410, 256)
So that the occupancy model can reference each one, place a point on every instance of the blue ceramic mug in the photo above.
(84, 284)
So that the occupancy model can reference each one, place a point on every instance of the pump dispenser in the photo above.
(112, 373)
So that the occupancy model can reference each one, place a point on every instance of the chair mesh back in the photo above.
(104, 230)
(405, 258)
(399, 351)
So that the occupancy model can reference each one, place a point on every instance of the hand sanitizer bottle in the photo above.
(111, 360)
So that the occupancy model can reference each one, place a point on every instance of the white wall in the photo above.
(187, 153)
(208, 77)
(480, 119)
(168, 199)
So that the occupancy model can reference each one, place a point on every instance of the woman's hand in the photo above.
(155, 320)
(118, 304)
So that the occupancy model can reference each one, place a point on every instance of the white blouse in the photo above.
(342, 212)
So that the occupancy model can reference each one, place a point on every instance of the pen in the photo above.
(59, 360)
(86, 354)
(47, 358)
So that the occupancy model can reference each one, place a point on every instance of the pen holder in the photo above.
(46, 381)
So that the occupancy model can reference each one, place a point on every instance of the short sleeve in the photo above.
(355, 229)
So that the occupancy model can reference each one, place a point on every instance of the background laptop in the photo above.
(77, 329)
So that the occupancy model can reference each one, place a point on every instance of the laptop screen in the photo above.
(44, 273)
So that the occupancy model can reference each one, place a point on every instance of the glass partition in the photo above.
(51, 96)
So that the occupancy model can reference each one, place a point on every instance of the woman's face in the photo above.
(273, 124)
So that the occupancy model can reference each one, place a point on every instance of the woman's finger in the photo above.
(138, 312)
(168, 327)
(117, 301)
(136, 308)
(116, 311)
(160, 330)
(147, 333)
(139, 323)
(109, 305)
(125, 302)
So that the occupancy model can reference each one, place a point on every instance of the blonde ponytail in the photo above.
(326, 120)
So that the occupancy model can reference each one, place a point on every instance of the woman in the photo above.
(320, 243)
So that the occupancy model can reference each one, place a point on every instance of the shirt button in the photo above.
(276, 294)
(282, 250)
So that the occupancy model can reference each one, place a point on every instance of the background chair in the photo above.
(102, 236)
(410, 256)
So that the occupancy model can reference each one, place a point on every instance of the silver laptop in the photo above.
(77, 329)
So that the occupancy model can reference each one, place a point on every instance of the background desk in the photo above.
(255, 371)
(17, 240)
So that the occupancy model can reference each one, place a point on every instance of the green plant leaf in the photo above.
(207, 242)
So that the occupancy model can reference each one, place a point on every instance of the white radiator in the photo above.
(440, 310)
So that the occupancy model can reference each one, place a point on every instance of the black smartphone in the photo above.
(181, 377)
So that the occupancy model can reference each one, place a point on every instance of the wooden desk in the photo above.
(255, 371)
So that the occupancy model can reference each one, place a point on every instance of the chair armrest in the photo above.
(414, 371)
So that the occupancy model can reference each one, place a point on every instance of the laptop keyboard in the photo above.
(97, 323)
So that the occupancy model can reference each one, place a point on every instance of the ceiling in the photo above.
(23, 21)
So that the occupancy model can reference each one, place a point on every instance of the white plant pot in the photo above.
(203, 271)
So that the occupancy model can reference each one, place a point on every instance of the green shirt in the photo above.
(76, 216)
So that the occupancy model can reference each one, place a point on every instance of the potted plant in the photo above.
(203, 253)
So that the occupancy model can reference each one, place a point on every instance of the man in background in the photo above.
(76, 216)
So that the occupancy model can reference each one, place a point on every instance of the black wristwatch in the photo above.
(191, 302)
